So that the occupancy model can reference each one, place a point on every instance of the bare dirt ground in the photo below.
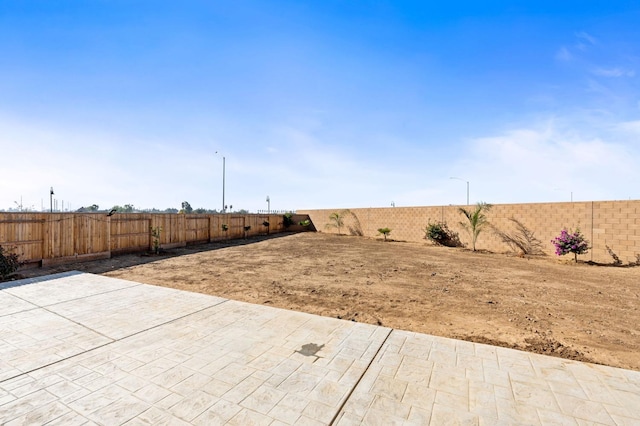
(541, 304)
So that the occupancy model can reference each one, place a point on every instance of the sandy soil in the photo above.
(542, 304)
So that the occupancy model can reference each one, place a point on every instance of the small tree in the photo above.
(571, 242)
(385, 232)
(336, 220)
(287, 220)
(155, 234)
(9, 263)
(186, 208)
(476, 221)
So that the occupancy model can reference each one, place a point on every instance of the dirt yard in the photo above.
(544, 305)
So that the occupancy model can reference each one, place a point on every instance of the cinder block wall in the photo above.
(615, 224)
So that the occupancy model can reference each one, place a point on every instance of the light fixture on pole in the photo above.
(224, 207)
(268, 205)
(51, 199)
(457, 178)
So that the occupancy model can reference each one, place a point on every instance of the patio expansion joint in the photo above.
(364, 372)
(112, 339)
(74, 299)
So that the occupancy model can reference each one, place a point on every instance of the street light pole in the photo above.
(268, 205)
(224, 208)
(51, 199)
(464, 180)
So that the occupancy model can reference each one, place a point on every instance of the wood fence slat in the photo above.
(55, 238)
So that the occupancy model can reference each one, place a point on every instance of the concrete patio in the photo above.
(85, 349)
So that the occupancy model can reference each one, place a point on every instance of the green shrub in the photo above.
(287, 220)
(155, 234)
(440, 234)
(9, 263)
(385, 232)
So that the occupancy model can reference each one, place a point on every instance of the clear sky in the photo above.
(318, 104)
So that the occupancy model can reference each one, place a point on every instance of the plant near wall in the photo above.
(354, 226)
(9, 263)
(336, 220)
(476, 221)
(266, 224)
(570, 241)
(305, 223)
(287, 220)
(225, 228)
(155, 234)
(616, 258)
(385, 232)
(246, 230)
(439, 233)
(522, 239)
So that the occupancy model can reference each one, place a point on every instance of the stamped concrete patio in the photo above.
(85, 349)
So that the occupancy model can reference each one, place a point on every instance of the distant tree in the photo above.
(170, 210)
(91, 208)
(186, 207)
(127, 208)
(202, 210)
(476, 221)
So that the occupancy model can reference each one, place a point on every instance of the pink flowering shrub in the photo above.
(571, 242)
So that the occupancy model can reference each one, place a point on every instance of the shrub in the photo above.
(9, 263)
(440, 234)
(385, 232)
(155, 234)
(287, 220)
(616, 258)
(570, 242)
(305, 223)
(522, 239)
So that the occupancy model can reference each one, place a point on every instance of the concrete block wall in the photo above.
(615, 224)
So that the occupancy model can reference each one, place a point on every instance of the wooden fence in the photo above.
(50, 238)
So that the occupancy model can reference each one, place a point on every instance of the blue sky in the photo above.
(318, 104)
